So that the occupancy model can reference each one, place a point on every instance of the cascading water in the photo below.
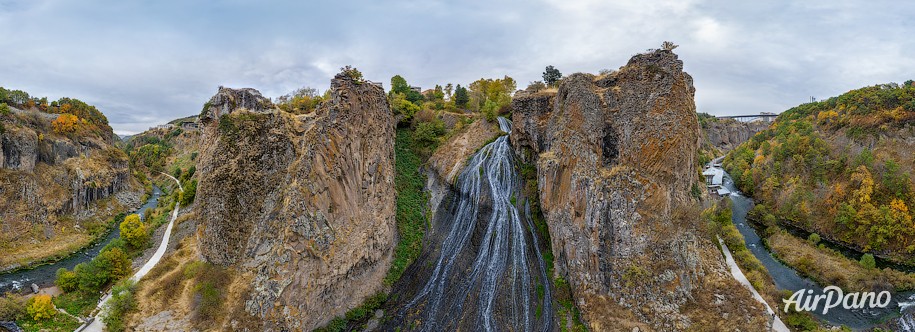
(488, 274)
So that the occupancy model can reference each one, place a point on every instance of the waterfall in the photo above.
(489, 280)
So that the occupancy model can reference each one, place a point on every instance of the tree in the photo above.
(133, 230)
(867, 261)
(448, 89)
(551, 76)
(668, 46)
(5, 109)
(460, 96)
(186, 197)
(114, 262)
(399, 85)
(352, 73)
(66, 280)
(65, 124)
(40, 307)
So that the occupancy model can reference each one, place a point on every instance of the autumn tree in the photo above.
(65, 124)
(551, 75)
(133, 230)
(40, 307)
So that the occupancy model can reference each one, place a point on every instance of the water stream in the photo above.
(44, 275)
(488, 273)
(786, 278)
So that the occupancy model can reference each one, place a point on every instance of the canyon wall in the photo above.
(304, 204)
(615, 158)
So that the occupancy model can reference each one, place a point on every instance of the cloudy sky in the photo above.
(146, 62)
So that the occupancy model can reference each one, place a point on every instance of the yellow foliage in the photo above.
(133, 230)
(65, 124)
(40, 307)
(866, 185)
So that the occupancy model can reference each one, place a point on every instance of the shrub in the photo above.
(121, 303)
(814, 238)
(11, 307)
(133, 230)
(40, 307)
(186, 197)
(868, 262)
(66, 280)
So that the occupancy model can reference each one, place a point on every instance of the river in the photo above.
(786, 278)
(44, 275)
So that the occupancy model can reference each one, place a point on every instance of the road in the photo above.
(96, 324)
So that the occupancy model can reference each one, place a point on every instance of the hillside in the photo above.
(841, 168)
(62, 178)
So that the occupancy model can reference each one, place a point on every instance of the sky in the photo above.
(143, 63)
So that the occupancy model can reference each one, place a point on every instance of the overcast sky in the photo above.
(145, 63)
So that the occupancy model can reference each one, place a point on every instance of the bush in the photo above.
(121, 303)
(868, 262)
(66, 280)
(11, 307)
(186, 197)
(40, 307)
(134, 231)
(814, 239)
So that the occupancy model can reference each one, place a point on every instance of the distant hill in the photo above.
(841, 168)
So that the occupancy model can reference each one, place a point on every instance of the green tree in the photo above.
(133, 230)
(868, 262)
(399, 85)
(352, 73)
(114, 262)
(551, 75)
(461, 97)
(186, 197)
(66, 280)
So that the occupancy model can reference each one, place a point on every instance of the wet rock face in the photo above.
(615, 158)
(303, 203)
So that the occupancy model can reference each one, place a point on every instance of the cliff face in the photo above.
(304, 203)
(615, 161)
(726, 134)
(50, 185)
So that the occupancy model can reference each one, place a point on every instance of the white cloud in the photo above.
(147, 63)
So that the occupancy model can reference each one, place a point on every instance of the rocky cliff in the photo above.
(54, 188)
(303, 203)
(615, 161)
(726, 134)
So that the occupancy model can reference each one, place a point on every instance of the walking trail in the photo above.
(96, 324)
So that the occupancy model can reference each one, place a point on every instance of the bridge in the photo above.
(764, 117)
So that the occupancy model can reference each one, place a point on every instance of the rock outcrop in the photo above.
(303, 203)
(49, 184)
(615, 158)
(726, 134)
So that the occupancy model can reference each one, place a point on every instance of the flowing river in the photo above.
(788, 279)
(44, 275)
(488, 274)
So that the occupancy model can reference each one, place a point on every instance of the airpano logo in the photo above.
(833, 297)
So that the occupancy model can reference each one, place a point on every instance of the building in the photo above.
(714, 176)
(416, 89)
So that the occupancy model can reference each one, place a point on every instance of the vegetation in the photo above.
(134, 231)
(829, 267)
(823, 167)
(121, 303)
(357, 314)
(551, 76)
(301, 101)
(40, 307)
(411, 204)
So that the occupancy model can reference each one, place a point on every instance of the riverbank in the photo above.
(829, 267)
(64, 245)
